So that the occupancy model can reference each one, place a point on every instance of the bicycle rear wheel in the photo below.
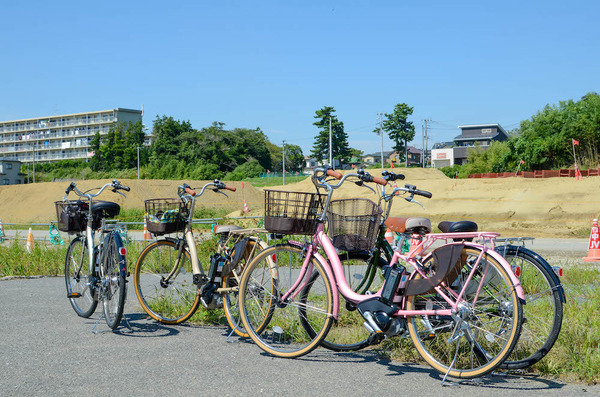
(348, 332)
(266, 279)
(79, 282)
(231, 283)
(164, 282)
(481, 335)
(543, 311)
(114, 283)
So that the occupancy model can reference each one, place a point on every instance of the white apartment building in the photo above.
(62, 137)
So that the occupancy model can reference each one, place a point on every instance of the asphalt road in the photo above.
(45, 349)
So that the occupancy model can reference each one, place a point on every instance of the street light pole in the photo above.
(138, 162)
(283, 161)
(330, 150)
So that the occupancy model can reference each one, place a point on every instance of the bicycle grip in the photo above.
(423, 193)
(190, 191)
(126, 188)
(379, 181)
(70, 188)
(335, 174)
(231, 188)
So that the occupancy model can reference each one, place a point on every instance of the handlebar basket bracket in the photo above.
(71, 215)
(353, 223)
(166, 215)
(291, 212)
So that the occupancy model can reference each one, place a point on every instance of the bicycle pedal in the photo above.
(73, 295)
(376, 338)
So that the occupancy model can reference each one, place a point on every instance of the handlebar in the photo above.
(217, 185)
(115, 185)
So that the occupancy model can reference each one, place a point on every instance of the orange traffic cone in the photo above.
(414, 243)
(594, 247)
(147, 235)
(389, 236)
(29, 245)
(246, 207)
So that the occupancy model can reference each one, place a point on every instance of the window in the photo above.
(486, 130)
(5, 181)
(9, 166)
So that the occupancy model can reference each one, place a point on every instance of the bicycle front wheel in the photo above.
(230, 285)
(79, 282)
(348, 333)
(543, 311)
(483, 332)
(114, 283)
(164, 282)
(274, 324)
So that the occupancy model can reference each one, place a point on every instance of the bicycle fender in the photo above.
(122, 258)
(512, 249)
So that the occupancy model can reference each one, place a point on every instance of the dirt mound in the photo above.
(553, 207)
(35, 202)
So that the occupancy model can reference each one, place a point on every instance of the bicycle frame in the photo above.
(335, 273)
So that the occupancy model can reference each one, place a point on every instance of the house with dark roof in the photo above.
(473, 135)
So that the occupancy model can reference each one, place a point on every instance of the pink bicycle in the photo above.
(460, 304)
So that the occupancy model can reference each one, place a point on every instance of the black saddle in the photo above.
(105, 209)
(458, 227)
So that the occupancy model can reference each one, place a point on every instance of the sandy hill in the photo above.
(561, 207)
(35, 202)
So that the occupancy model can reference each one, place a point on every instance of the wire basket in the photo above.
(291, 212)
(71, 216)
(353, 223)
(166, 215)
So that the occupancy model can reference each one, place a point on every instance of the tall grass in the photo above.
(575, 356)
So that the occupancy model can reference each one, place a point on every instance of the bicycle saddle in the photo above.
(457, 227)
(105, 209)
(418, 225)
(226, 228)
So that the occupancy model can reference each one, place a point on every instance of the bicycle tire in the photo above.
(543, 311)
(171, 302)
(348, 332)
(113, 282)
(232, 280)
(484, 331)
(78, 280)
(266, 279)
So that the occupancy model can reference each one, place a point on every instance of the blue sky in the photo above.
(272, 64)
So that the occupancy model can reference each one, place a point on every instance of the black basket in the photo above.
(167, 215)
(353, 223)
(291, 212)
(71, 215)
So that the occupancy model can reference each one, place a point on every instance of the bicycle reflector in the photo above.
(516, 270)
(558, 270)
(274, 258)
(122, 251)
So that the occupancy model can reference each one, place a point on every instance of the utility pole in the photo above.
(283, 160)
(425, 137)
(330, 149)
(381, 135)
(138, 157)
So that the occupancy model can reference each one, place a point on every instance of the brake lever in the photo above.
(219, 191)
(370, 188)
(412, 200)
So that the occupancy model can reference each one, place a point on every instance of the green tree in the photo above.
(545, 140)
(399, 129)
(339, 146)
(166, 134)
